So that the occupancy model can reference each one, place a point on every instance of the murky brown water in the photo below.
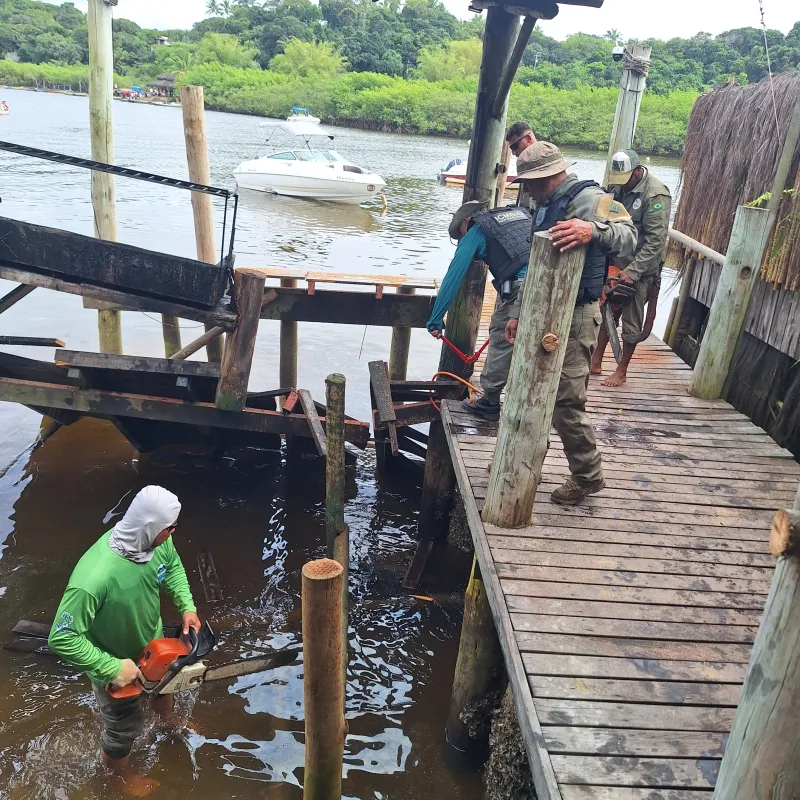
(261, 515)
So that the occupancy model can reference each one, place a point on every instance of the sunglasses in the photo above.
(513, 146)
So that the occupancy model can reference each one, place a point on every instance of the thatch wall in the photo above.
(730, 158)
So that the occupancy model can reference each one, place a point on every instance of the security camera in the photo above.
(618, 52)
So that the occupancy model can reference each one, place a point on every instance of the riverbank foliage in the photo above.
(389, 65)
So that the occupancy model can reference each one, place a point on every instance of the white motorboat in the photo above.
(303, 171)
(455, 173)
(300, 114)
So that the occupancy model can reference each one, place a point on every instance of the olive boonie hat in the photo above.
(623, 163)
(540, 160)
(467, 210)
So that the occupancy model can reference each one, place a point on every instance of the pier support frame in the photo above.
(401, 342)
(463, 317)
(762, 758)
(194, 129)
(101, 130)
(288, 345)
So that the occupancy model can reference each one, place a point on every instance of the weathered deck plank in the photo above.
(633, 615)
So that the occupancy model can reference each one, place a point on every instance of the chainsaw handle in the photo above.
(134, 689)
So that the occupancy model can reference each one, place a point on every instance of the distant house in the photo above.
(163, 40)
(164, 85)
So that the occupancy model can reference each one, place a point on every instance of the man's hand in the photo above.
(570, 233)
(128, 673)
(435, 332)
(625, 278)
(511, 331)
(191, 620)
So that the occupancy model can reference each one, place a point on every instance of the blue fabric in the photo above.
(471, 246)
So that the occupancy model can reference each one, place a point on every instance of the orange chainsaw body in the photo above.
(154, 663)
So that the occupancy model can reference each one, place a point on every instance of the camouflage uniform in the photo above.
(649, 204)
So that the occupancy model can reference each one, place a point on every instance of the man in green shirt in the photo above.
(111, 610)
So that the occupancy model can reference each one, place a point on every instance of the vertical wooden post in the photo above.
(762, 758)
(194, 130)
(288, 345)
(548, 303)
(337, 534)
(683, 295)
(323, 681)
(401, 342)
(631, 88)
(502, 176)
(101, 129)
(464, 315)
(237, 358)
(740, 273)
(785, 160)
(171, 331)
(478, 667)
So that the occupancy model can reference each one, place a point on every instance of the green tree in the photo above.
(225, 49)
(451, 61)
(308, 59)
(613, 35)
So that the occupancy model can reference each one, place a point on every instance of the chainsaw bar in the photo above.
(611, 330)
(248, 666)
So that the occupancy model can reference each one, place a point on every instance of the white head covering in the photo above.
(152, 510)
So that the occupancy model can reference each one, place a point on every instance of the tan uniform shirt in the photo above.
(649, 203)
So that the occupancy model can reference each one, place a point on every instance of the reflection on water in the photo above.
(261, 515)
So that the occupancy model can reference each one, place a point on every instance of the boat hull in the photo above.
(341, 187)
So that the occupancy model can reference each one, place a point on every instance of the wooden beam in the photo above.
(762, 758)
(240, 344)
(104, 404)
(741, 271)
(350, 308)
(31, 341)
(522, 439)
(696, 247)
(379, 381)
(401, 342)
(14, 296)
(164, 366)
(315, 426)
(218, 315)
(287, 369)
(198, 344)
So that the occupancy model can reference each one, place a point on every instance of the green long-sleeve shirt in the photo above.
(112, 607)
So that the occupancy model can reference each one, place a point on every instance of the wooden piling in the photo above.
(171, 332)
(502, 175)
(762, 758)
(323, 681)
(101, 130)
(464, 315)
(740, 273)
(337, 534)
(288, 345)
(632, 84)
(478, 670)
(401, 342)
(237, 358)
(194, 129)
(548, 303)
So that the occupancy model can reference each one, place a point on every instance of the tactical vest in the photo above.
(508, 240)
(596, 264)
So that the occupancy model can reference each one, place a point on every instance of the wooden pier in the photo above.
(627, 623)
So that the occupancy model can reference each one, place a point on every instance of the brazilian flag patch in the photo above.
(658, 206)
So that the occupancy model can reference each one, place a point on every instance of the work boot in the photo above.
(572, 491)
(487, 407)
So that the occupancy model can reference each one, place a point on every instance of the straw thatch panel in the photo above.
(730, 157)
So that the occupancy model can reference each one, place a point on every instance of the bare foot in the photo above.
(616, 378)
(138, 785)
(597, 369)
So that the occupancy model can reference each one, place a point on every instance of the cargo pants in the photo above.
(498, 356)
(633, 311)
(569, 416)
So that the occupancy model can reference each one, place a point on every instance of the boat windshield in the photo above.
(334, 156)
(310, 155)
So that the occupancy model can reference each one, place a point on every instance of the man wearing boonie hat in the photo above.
(575, 213)
(501, 237)
(649, 203)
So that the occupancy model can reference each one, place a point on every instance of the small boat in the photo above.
(4, 109)
(300, 114)
(455, 174)
(302, 171)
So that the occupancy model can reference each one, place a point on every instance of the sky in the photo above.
(637, 19)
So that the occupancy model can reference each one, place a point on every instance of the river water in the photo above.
(262, 517)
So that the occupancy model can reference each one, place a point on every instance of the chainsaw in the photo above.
(175, 664)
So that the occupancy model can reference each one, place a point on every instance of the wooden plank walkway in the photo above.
(627, 622)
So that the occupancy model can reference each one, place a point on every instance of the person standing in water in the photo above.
(111, 610)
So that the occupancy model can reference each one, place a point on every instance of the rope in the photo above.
(632, 62)
(463, 356)
(471, 390)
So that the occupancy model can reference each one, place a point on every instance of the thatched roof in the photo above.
(166, 81)
(730, 157)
